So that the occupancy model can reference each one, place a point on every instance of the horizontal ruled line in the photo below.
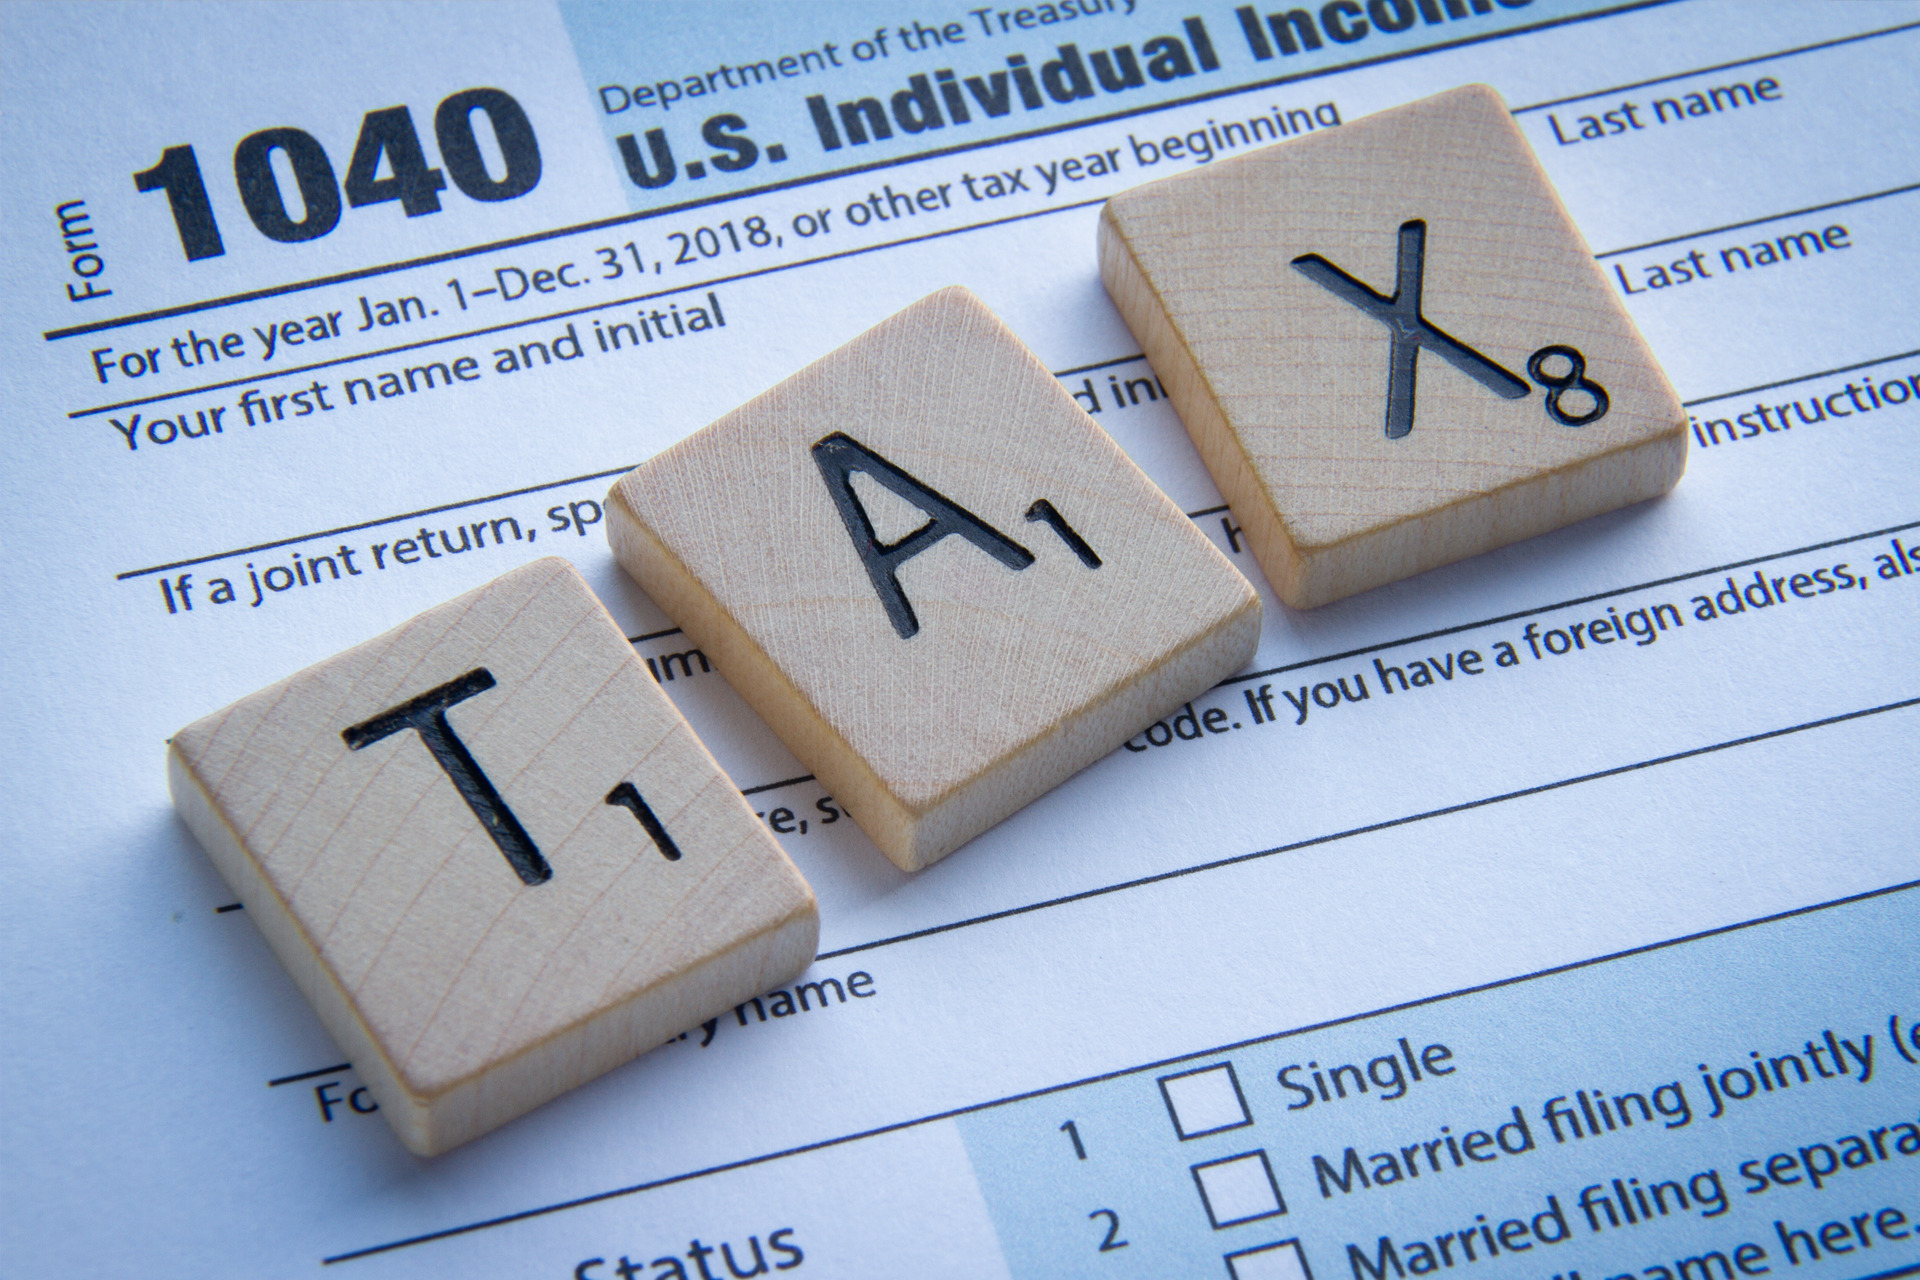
(1721, 66)
(1535, 612)
(1754, 222)
(334, 1070)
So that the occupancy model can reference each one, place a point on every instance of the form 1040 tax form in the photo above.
(1456, 934)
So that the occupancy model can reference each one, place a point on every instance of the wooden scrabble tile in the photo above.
(492, 854)
(940, 582)
(1391, 345)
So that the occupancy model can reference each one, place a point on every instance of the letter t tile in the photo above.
(491, 854)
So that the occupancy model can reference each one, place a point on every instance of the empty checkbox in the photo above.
(1284, 1260)
(1238, 1189)
(1204, 1101)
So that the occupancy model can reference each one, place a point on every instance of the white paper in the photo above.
(1254, 897)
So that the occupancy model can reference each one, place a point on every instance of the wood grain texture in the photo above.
(1016, 678)
(1284, 385)
(464, 995)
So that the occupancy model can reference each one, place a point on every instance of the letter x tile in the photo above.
(491, 854)
(1391, 345)
(938, 580)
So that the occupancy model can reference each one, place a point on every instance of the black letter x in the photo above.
(1410, 329)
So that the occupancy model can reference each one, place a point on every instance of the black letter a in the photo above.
(838, 457)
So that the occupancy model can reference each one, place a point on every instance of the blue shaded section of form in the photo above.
(700, 100)
(1607, 1120)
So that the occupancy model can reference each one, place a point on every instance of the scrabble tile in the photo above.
(1391, 345)
(491, 854)
(937, 580)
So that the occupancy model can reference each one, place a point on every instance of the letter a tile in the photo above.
(491, 854)
(1391, 345)
(936, 578)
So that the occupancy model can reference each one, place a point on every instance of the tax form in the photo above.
(1447, 937)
